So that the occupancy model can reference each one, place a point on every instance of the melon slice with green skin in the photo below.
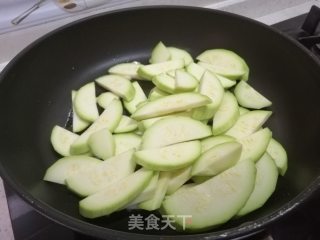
(255, 145)
(214, 201)
(217, 159)
(139, 97)
(118, 85)
(195, 70)
(148, 192)
(91, 180)
(226, 82)
(101, 144)
(151, 70)
(78, 124)
(173, 157)
(164, 82)
(126, 141)
(160, 53)
(243, 110)
(248, 123)
(178, 53)
(224, 62)
(126, 124)
(156, 93)
(184, 82)
(104, 99)
(178, 178)
(61, 140)
(109, 119)
(265, 184)
(279, 155)
(65, 167)
(162, 186)
(210, 86)
(226, 115)
(115, 196)
(171, 130)
(85, 103)
(126, 69)
(144, 124)
(212, 141)
(248, 97)
(170, 104)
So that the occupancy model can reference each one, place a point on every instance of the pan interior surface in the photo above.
(35, 92)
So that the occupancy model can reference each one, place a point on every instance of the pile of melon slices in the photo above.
(195, 145)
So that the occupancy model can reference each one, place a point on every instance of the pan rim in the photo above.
(75, 224)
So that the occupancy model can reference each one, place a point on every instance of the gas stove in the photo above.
(301, 224)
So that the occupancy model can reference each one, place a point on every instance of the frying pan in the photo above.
(35, 95)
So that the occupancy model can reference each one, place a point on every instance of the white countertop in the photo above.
(14, 39)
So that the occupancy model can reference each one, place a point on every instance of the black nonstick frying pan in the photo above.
(35, 95)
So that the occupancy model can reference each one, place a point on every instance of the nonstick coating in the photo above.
(35, 95)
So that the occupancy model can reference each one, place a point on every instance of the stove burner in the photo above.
(308, 34)
(312, 20)
(305, 29)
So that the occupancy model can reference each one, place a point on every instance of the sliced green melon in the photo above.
(169, 158)
(78, 124)
(162, 186)
(243, 110)
(115, 196)
(101, 144)
(210, 86)
(178, 178)
(171, 130)
(148, 192)
(226, 115)
(226, 82)
(195, 70)
(65, 167)
(144, 124)
(156, 93)
(61, 140)
(160, 53)
(85, 103)
(212, 141)
(119, 85)
(139, 96)
(170, 104)
(254, 145)
(93, 179)
(214, 201)
(126, 124)
(126, 141)
(248, 97)
(265, 184)
(223, 62)
(184, 82)
(151, 70)
(279, 155)
(248, 123)
(104, 99)
(164, 82)
(177, 53)
(109, 119)
(217, 159)
(129, 69)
